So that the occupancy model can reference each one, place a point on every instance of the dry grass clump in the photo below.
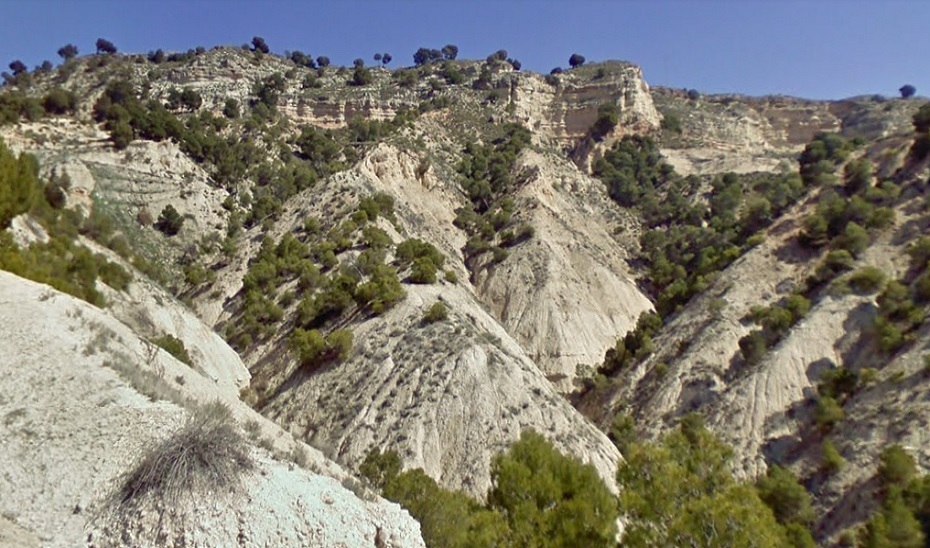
(207, 455)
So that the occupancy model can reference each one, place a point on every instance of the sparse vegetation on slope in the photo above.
(59, 261)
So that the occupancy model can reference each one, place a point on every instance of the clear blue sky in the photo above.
(808, 48)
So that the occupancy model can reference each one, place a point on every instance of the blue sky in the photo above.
(823, 49)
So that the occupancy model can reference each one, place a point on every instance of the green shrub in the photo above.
(831, 461)
(896, 467)
(381, 292)
(671, 490)
(438, 312)
(59, 101)
(314, 350)
(921, 288)
(635, 345)
(854, 239)
(894, 525)
(114, 275)
(169, 221)
(361, 76)
(857, 175)
(839, 383)
(607, 117)
(781, 491)
(423, 271)
(409, 250)
(827, 413)
(175, 347)
(919, 252)
(380, 468)
(19, 186)
(671, 123)
(231, 109)
(821, 156)
(868, 279)
(753, 347)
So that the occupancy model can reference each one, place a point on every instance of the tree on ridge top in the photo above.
(105, 46)
(68, 51)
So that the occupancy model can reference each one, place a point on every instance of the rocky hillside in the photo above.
(85, 400)
(435, 259)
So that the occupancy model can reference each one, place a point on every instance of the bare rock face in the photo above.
(567, 108)
(82, 398)
(568, 294)
(151, 312)
(720, 133)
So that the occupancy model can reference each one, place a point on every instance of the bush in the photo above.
(361, 76)
(175, 347)
(380, 468)
(412, 249)
(840, 383)
(858, 176)
(827, 413)
(896, 467)
(919, 252)
(622, 432)
(105, 46)
(423, 271)
(207, 457)
(19, 187)
(314, 350)
(671, 491)
(671, 123)
(831, 461)
(854, 239)
(868, 279)
(114, 275)
(438, 312)
(635, 345)
(381, 292)
(406, 78)
(59, 101)
(607, 117)
(169, 221)
(895, 525)
(753, 347)
(787, 498)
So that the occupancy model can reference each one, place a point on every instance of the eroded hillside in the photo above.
(429, 262)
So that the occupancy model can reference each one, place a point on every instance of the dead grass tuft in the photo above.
(208, 455)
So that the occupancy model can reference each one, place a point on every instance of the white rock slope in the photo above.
(73, 420)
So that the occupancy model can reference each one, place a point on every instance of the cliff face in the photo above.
(737, 133)
(565, 106)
